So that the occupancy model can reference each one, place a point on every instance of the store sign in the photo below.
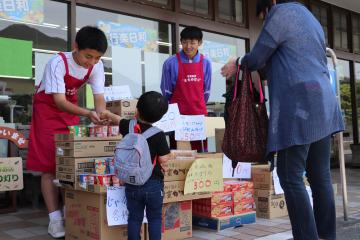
(218, 52)
(190, 128)
(168, 122)
(22, 10)
(14, 136)
(128, 36)
(11, 174)
(205, 175)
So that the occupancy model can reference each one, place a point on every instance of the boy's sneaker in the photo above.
(56, 228)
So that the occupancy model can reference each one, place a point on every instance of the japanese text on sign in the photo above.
(116, 209)
(168, 122)
(23, 10)
(11, 174)
(204, 176)
(190, 128)
(242, 170)
(14, 136)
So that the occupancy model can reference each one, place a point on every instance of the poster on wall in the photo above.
(23, 10)
(128, 36)
(218, 52)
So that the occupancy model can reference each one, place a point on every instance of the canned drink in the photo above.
(100, 166)
(78, 131)
(103, 180)
(113, 131)
(91, 131)
(101, 131)
(83, 180)
(110, 164)
(91, 179)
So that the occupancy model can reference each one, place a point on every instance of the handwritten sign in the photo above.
(14, 136)
(114, 93)
(116, 209)
(11, 174)
(204, 176)
(277, 187)
(190, 128)
(168, 122)
(242, 170)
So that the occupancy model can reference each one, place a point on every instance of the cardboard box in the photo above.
(219, 137)
(262, 177)
(222, 223)
(86, 218)
(183, 145)
(209, 155)
(11, 174)
(269, 205)
(123, 108)
(72, 138)
(174, 192)
(244, 206)
(176, 170)
(208, 210)
(85, 149)
(74, 165)
(177, 220)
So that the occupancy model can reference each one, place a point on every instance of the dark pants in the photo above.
(314, 158)
(149, 195)
(200, 146)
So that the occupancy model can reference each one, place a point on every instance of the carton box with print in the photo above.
(85, 148)
(177, 220)
(269, 205)
(86, 218)
(262, 177)
(123, 108)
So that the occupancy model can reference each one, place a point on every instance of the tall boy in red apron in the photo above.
(186, 80)
(55, 108)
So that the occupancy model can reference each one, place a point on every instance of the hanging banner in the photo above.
(22, 10)
(128, 36)
(204, 176)
(168, 122)
(190, 128)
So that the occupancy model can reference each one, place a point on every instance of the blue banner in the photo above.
(218, 52)
(22, 10)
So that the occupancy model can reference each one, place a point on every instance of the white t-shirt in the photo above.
(53, 77)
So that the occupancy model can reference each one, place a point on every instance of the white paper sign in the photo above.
(277, 187)
(114, 93)
(116, 209)
(168, 122)
(242, 170)
(190, 128)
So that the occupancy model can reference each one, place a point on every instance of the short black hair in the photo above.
(92, 38)
(191, 32)
(152, 106)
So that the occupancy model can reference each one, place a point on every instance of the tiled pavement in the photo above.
(32, 224)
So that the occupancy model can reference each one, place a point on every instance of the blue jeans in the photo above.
(314, 158)
(149, 195)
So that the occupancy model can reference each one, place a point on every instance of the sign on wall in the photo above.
(11, 174)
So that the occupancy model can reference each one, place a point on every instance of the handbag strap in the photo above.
(236, 82)
(262, 98)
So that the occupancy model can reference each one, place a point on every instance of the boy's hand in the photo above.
(92, 115)
(110, 117)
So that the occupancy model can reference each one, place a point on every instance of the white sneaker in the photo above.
(56, 229)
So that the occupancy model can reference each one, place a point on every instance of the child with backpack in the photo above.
(146, 145)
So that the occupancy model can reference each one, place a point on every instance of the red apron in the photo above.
(189, 95)
(48, 120)
(189, 89)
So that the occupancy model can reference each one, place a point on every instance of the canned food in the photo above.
(103, 180)
(91, 179)
(101, 131)
(110, 164)
(91, 131)
(115, 181)
(78, 131)
(113, 131)
(83, 180)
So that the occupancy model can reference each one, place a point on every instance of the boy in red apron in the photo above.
(55, 108)
(186, 80)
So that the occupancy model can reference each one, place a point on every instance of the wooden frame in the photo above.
(219, 19)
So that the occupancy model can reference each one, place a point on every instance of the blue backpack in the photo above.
(133, 161)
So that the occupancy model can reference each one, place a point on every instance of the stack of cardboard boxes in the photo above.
(268, 204)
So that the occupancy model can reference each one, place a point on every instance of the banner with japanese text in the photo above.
(22, 10)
